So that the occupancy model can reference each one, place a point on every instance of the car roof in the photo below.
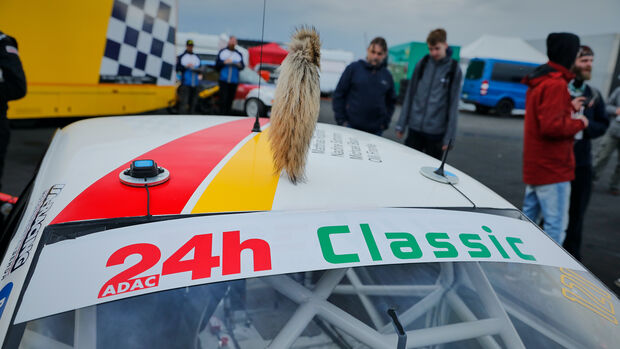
(217, 164)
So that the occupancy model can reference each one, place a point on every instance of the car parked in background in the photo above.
(496, 84)
(248, 99)
(268, 72)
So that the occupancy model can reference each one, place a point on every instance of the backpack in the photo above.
(450, 74)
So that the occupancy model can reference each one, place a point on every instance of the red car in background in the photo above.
(248, 100)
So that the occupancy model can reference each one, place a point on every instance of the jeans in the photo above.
(550, 201)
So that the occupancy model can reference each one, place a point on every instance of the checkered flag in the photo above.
(140, 43)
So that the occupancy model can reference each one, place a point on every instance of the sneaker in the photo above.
(617, 282)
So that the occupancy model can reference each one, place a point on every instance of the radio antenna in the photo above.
(256, 127)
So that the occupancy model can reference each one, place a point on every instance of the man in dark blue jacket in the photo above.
(364, 98)
(229, 63)
(594, 110)
(187, 64)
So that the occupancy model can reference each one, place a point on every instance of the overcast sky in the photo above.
(349, 24)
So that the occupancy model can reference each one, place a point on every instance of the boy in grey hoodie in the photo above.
(430, 108)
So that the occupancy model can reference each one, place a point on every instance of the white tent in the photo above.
(501, 47)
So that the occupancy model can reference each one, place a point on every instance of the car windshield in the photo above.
(248, 76)
(455, 305)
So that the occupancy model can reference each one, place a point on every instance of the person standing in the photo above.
(364, 98)
(548, 136)
(187, 64)
(610, 142)
(229, 63)
(594, 110)
(430, 109)
(12, 87)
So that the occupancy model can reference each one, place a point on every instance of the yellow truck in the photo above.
(92, 58)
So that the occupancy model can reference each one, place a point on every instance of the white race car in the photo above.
(175, 232)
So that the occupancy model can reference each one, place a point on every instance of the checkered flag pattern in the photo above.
(140, 42)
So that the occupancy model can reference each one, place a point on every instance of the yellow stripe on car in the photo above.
(246, 183)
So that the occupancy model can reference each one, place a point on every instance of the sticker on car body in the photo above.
(152, 257)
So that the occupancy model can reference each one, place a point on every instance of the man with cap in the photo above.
(548, 136)
(594, 110)
(187, 64)
(229, 63)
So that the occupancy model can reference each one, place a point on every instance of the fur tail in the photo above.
(296, 104)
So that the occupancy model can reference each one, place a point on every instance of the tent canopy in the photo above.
(500, 47)
(272, 54)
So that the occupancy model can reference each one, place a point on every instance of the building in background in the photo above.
(333, 64)
(502, 47)
(402, 60)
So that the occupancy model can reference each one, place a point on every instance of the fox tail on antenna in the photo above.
(296, 104)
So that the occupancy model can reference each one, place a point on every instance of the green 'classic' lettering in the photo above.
(513, 244)
(370, 242)
(493, 239)
(481, 250)
(328, 249)
(407, 249)
(449, 252)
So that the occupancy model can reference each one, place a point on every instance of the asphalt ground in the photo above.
(488, 148)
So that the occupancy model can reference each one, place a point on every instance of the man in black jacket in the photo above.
(364, 98)
(12, 86)
(594, 110)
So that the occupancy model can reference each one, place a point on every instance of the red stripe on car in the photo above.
(189, 159)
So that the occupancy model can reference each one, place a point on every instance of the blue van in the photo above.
(496, 83)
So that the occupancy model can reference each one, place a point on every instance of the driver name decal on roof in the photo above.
(350, 148)
(146, 258)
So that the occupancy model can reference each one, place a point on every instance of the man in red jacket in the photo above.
(549, 133)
